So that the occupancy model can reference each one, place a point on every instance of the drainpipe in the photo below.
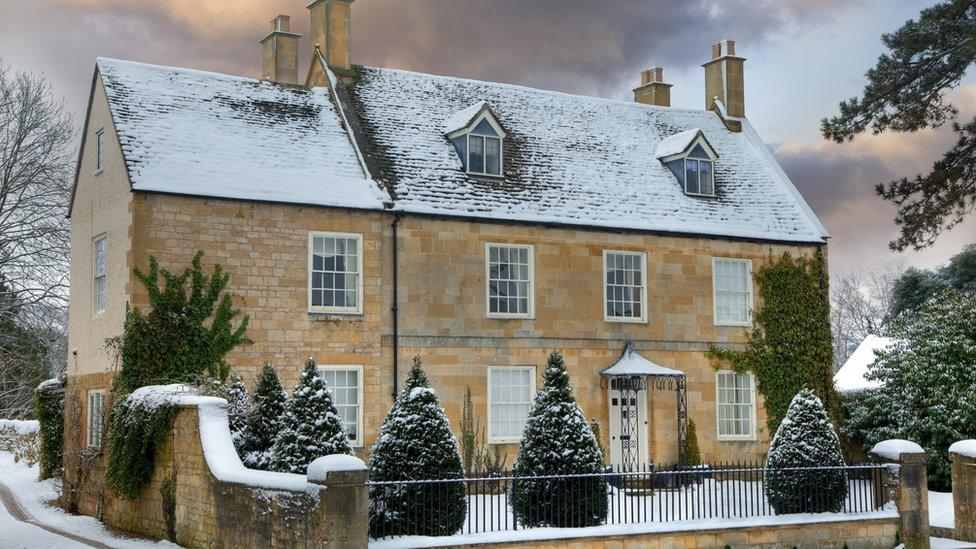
(395, 309)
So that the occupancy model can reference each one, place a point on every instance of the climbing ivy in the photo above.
(182, 339)
(49, 410)
(789, 347)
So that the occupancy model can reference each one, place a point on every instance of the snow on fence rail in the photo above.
(647, 495)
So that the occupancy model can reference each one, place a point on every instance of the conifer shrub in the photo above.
(312, 427)
(690, 455)
(49, 410)
(264, 420)
(558, 441)
(238, 406)
(805, 438)
(415, 442)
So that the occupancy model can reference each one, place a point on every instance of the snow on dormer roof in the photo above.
(676, 144)
(463, 118)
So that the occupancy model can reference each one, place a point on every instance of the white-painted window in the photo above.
(96, 423)
(735, 405)
(509, 276)
(732, 291)
(347, 386)
(99, 150)
(625, 286)
(335, 270)
(99, 294)
(510, 394)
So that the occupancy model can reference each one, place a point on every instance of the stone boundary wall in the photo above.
(189, 503)
(878, 533)
(963, 457)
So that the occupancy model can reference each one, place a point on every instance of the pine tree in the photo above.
(558, 441)
(416, 442)
(312, 427)
(264, 420)
(690, 454)
(805, 438)
(238, 406)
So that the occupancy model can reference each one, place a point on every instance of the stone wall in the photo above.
(963, 457)
(186, 503)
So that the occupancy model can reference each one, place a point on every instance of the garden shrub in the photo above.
(264, 420)
(49, 410)
(805, 438)
(558, 441)
(415, 442)
(138, 429)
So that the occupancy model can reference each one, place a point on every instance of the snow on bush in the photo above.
(238, 407)
(928, 379)
(805, 438)
(416, 442)
(558, 441)
(264, 420)
(311, 428)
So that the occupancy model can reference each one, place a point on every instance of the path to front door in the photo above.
(628, 428)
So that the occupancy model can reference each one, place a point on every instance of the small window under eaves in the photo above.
(478, 139)
(691, 159)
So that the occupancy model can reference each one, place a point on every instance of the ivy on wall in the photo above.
(49, 410)
(182, 339)
(789, 347)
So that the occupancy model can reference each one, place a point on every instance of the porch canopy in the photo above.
(631, 373)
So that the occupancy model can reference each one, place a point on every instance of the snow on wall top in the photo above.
(190, 132)
(571, 159)
(850, 378)
(894, 448)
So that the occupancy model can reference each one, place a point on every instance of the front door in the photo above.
(628, 423)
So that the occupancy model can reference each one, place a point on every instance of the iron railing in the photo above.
(648, 494)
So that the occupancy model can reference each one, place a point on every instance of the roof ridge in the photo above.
(99, 61)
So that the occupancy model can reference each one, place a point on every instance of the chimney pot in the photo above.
(281, 23)
(280, 55)
(653, 90)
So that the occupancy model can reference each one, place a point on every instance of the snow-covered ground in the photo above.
(35, 498)
(940, 509)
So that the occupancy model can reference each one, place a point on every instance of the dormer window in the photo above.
(691, 159)
(478, 139)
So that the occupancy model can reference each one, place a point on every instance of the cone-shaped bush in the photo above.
(558, 441)
(238, 406)
(312, 427)
(264, 420)
(416, 442)
(690, 454)
(805, 438)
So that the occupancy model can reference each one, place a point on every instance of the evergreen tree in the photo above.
(558, 441)
(264, 420)
(805, 438)
(906, 93)
(690, 454)
(928, 379)
(312, 427)
(238, 406)
(416, 442)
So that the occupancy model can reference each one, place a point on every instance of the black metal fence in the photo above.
(651, 494)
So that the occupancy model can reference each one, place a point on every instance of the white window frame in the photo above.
(484, 155)
(92, 427)
(358, 368)
(628, 319)
(492, 439)
(468, 132)
(531, 301)
(749, 299)
(358, 309)
(99, 151)
(685, 177)
(102, 238)
(751, 436)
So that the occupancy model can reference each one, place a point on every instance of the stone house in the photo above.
(369, 215)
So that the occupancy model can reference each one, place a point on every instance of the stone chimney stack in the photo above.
(281, 52)
(724, 79)
(653, 90)
(332, 30)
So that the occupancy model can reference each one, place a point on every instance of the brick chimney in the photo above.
(724, 79)
(332, 30)
(281, 52)
(653, 90)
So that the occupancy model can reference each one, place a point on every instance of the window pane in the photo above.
(493, 156)
(734, 404)
(484, 128)
(691, 176)
(705, 168)
(731, 283)
(510, 400)
(624, 284)
(476, 154)
(335, 271)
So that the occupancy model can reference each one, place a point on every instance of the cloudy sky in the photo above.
(804, 56)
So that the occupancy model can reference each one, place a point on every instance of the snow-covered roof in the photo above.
(631, 363)
(850, 378)
(462, 118)
(199, 133)
(571, 160)
(676, 144)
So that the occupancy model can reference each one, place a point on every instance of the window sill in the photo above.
(751, 438)
(510, 317)
(624, 320)
(733, 324)
(322, 316)
(501, 441)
